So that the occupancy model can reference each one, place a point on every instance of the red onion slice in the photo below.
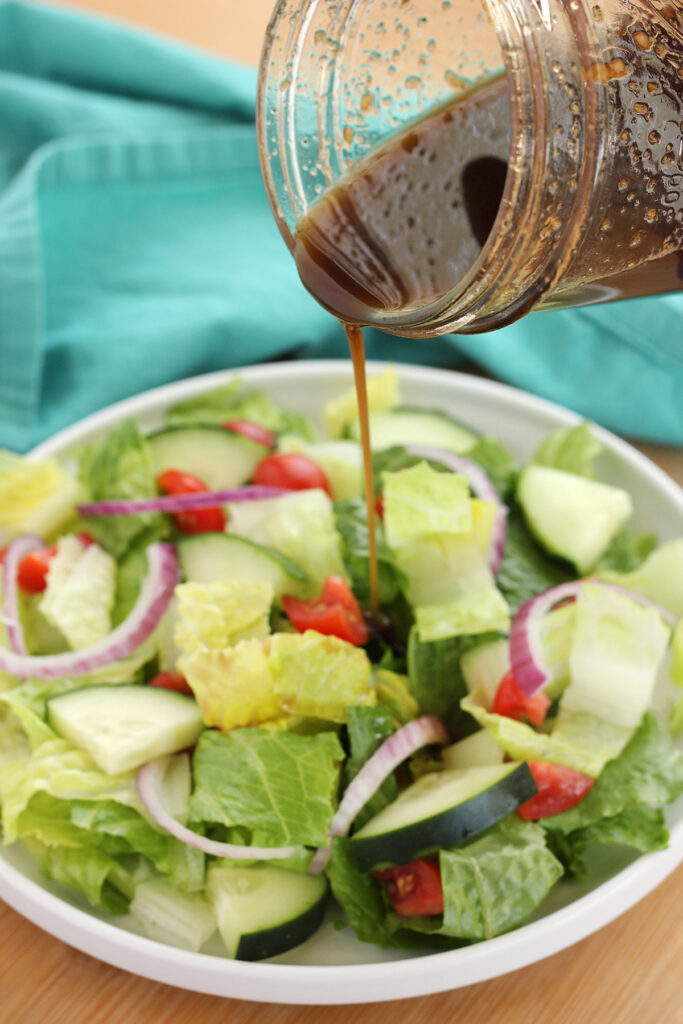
(482, 488)
(18, 549)
(149, 779)
(526, 655)
(404, 742)
(179, 502)
(152, 602)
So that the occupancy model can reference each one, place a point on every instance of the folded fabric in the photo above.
(137, 247)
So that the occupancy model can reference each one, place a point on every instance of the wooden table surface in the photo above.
(631, 972)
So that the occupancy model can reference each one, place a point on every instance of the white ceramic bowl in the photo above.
(333, 967)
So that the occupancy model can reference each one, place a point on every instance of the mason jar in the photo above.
(451, 165)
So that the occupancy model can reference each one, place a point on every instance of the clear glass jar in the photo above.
(584, 106)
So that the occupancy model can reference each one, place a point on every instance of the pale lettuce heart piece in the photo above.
(79, 597)
(219, 615)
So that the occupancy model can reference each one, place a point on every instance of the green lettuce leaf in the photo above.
(119, 467)
(526, 569)
(281, 784)
(493, 883)
(365, 908)
(394, 695)
(572, 449)
(641, 827)
(497, 463)
(660, 577)
(133, 568)
(626, 552)
(35, 497)
(578, 740)
(676, 676)
(436, 679)
(232, 402)
(351, 522)
(368, 728)
(88, 870)
(648, 772)
(121, 829)
(62, 771)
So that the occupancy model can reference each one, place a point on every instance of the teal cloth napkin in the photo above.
(137, 247)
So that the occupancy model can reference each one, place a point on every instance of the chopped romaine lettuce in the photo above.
(119, 467)
(35, 497)
(494, 882)
(420, 501)
(648, 772)
(219, 615)
(572, 449)
(368, 728)
(641, 827)
(616, 651)
(281, 784)
(79, 596)
(660, 577)
(289, 675)
(352, 524)
(232, 402)
(579, 741)
(383, 393)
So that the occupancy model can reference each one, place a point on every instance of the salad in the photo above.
(204, 726)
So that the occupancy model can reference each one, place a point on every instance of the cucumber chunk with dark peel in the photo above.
(263, 911)
(218, 457)
(442, 809)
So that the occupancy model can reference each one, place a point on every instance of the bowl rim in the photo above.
(357, 982)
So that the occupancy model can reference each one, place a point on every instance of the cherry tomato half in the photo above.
(254, 431)
(414, 889)
(172, 681)
(199, 520)
(292, 472)
(334, 613)
(512, 702)
(559, 788)
(33, 568)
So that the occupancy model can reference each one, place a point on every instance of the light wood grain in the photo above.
(630, 972)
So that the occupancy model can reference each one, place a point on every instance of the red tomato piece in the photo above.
(414, 889)
(512, 702)
(199, 520)
(172, 681)
(292, 472)
(379, 507)
(3, 552)
(559, 788)
(86, 538)
(335, 613)
(254, 431)
(32, 571)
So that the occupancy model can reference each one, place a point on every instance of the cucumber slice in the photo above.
(442, 809)
(474, 751)
(222, 557)
(263, 911)
(219, 457)
(406, 425)
(122, 726)
(570, 515)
